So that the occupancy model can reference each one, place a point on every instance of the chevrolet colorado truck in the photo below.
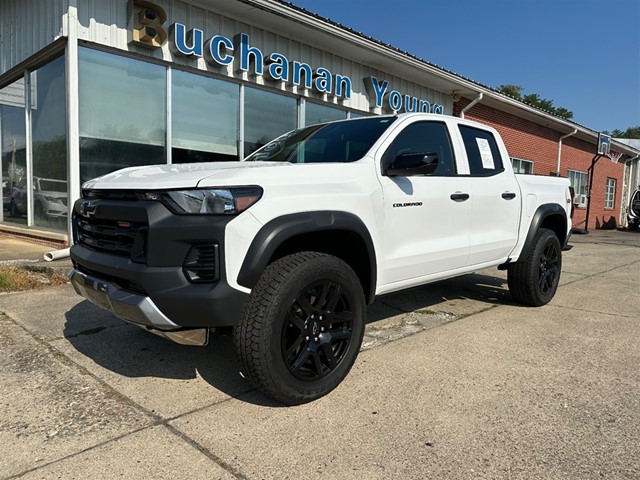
(290, 245)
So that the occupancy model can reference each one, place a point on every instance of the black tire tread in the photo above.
(521, 277)
(251, 332)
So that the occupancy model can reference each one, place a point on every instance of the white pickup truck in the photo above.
(291, 244)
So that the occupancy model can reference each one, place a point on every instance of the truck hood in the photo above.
(157, 177)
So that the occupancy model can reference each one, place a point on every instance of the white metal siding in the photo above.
(27, 26)
(106, 23)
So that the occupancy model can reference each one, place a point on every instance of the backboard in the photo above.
(604, 144)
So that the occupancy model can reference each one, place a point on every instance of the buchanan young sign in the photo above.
(220, 51)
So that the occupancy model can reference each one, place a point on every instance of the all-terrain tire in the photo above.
(302, 328)
(534, 280)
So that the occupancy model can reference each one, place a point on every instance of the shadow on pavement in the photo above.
(131, 352)
(442, 296)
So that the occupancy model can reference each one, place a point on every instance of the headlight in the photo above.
(208, 201)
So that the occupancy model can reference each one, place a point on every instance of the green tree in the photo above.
(514, 91)
(564, 113)
(631, 132)
(533, 99)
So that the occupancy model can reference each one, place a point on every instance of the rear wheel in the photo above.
(534, 280)
(302, 329)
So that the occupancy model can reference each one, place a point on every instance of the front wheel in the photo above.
(302, 328)
(534, 280)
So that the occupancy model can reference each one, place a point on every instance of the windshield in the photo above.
(343, 141)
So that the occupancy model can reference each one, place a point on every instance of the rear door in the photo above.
(495, 198)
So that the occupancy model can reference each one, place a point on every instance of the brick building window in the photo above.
(522, 166)
(610, 193)
(578, 181)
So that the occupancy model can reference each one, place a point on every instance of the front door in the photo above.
(426, 217)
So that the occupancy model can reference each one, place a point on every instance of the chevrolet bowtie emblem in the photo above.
(88, 208)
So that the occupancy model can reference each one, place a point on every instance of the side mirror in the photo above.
(411, 164)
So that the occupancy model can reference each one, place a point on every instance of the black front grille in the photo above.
(124, 283)
(112, 195)
(114, 236)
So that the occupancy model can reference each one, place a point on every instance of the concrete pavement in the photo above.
(456, 382)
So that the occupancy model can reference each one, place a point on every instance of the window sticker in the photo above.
(485, 153)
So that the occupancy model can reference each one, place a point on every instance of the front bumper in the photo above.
(130, 258)
(131, 307)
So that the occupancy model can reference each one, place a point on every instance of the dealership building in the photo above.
(91, 86)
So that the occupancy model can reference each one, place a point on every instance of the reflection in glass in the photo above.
(204, 119)
(48, 130)
(266, 116)
(333, 142)
(122, 113)
(315, 113)
(13, 150)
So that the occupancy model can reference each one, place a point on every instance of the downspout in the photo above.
(575, 130)
(630, 189)
(465, 109)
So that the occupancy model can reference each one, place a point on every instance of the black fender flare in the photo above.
(280, 229)
(542, 213)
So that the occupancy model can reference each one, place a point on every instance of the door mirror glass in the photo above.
(411, 164)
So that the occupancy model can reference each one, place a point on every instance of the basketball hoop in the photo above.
(615, 156)
(604, 144)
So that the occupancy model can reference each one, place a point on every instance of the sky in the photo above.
(582, 54)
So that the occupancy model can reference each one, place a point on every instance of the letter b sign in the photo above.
(146, 20)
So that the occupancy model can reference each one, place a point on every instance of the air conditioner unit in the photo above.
(580, 200)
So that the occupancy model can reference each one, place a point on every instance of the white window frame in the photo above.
(610, 193)
(517, 163)
(581, 188)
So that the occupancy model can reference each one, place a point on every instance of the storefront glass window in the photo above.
(204, 115)
(13, 150)
(122, 113)
(48, 130)
(266, 116)
(315, 113)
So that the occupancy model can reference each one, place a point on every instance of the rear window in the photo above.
(482, 151)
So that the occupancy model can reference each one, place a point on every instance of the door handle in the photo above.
(459, 197)
(508, 196)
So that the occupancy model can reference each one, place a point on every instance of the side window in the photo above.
(482, 151)
(424, 137)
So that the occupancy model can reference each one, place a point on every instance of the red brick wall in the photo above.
(530, 141)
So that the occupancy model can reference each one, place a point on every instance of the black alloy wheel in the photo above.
(302, 327)
(549, 268)
(533, 280)
(317, 331)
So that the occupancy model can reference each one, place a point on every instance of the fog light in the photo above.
(201, 263)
